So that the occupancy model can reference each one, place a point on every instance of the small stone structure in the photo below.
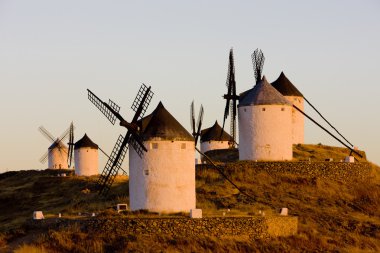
(195, 213)
(349, 159)
(38, 215)
(284, 211)
(121, 207)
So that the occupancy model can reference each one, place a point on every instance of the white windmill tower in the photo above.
(58, 153)
(287, 89)
(163, 179)
(86, 157)
(265, 126)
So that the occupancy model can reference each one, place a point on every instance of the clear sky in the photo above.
(52, 51)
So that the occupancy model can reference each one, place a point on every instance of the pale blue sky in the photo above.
(51, 51)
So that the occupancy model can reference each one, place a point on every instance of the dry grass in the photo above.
(30, 249)
(333, 216)
(301, 152)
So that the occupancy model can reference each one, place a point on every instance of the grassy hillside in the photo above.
(333, 215)
(301, 152)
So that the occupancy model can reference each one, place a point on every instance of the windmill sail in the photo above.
(231, 98)
(111, 111)
(258, 63)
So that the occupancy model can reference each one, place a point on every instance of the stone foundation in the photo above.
(252, 227)
(340, 171)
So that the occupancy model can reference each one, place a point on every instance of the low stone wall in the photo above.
(339, 171)
(251, 227)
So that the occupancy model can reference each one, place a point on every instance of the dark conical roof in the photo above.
(262, 94)
(57, 144)
(285, 87)
(161, 124)
(215, 133)
(85, 142)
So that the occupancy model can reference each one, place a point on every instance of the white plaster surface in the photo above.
(212, 145)
(298, 120)
(38, 215)
(195, 213)
(86, 161)
(121, 207)
(57, 158)
(265, 135)
(349, 159)
(164, 179)
(284, 211)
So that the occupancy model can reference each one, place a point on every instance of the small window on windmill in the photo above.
(146, 172)
(263, 109)
(183, 145)
(245, 109)
(154, 145)
(282, 109)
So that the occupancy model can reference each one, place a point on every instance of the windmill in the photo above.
(56, 159)
(258, 63)
(196, 131)
(231, 99)
(111, 111)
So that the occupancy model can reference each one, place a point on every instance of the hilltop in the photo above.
(334, 214)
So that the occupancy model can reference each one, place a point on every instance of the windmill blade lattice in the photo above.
(199, 124)
(44, 157)
(56, 141)
(132, 137)
(198, 127)
(258, 63)
(192, 118)
(231, 98)
(64, 135)
(144, 95)
(46, 133)
(71, 145)
(103, 108)
(113, 165)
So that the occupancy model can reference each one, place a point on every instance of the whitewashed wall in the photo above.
(212, 145)
(265, 135)
(86, 161)
(298, 120)
(164, 179)
(57, 159)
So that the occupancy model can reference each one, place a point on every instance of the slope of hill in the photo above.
(333, 215)
(301, 152)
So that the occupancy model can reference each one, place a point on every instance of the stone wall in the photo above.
(340, 171)
(252, 227)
